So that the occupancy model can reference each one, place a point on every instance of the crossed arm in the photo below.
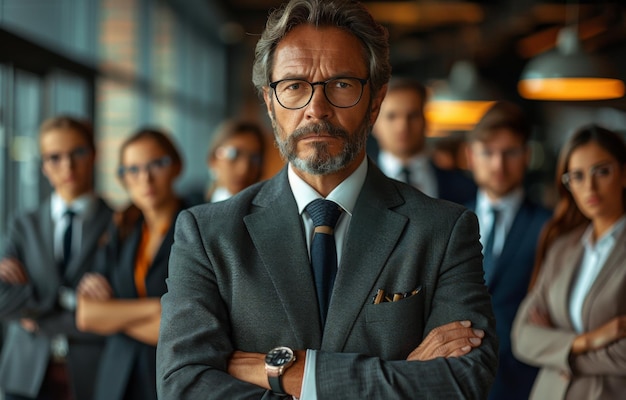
(451, 340)
(99, 312)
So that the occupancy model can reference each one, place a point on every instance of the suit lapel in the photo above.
(284, 254)
(373, 224)
(610, 271)
(562, 289)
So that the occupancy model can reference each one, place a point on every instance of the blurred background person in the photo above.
(572, 323)
(498, 156)
(400, 132)
(235, 158)
(47, 252)
(123, 299)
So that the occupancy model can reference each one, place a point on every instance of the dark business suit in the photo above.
(240, 279)
(25, 355)
(508, 286)
(453, 185)
(128, 367)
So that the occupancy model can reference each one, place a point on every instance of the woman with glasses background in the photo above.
(572, 324)
(235, 158)
(123, 299)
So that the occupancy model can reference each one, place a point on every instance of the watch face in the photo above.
(279, 356)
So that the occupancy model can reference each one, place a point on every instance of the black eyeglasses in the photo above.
(152, 168)
(294, 94)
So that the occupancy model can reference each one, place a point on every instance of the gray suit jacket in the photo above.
(25, 355)
(240, 278)
(593, 375)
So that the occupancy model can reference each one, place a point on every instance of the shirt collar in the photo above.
(511, 201)
(393, 165)
(220, 194)
(81, 206)
(345, 194)
(607, 238)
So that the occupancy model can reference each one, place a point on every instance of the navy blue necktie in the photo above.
(488, 258)
(67, 239)
(324, 214)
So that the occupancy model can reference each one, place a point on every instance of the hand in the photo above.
(95, 286)
(540, 317)
(12, 271)
(450, 340)
(29, 324)
(600, 337)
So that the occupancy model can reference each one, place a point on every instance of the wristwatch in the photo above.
(276, 362)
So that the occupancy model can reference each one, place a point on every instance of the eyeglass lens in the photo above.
(297, 93)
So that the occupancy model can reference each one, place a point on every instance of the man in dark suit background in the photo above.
(400, 133)
(405, 316)
(48, 250)
(498, 155)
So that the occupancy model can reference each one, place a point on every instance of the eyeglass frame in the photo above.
(592, 172)
(362, 81)
(232, 154)
(149, 168)
(54, 160)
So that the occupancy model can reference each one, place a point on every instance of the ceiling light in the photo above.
(567, 73)
(458, 103)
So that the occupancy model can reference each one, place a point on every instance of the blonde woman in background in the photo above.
(573, 322)
(235, 159)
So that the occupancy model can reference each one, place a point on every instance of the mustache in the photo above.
(319, 128)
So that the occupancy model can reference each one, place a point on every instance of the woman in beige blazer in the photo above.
(572, 323)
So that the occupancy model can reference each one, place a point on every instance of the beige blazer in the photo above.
(593, 375)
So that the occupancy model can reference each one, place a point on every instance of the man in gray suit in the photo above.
(396, 309)
(48, 250)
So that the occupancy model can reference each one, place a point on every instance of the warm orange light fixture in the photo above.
(458, 103)
(569, 74)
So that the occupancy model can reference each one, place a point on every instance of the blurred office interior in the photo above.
(185, 65)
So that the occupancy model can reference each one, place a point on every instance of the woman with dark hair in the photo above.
(572, 324)
(123, 299)
(235, 158)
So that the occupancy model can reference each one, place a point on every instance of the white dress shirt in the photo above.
(594, 258)
(220, 194)
(422, 172)
(82, 207)
(507, 207)
(345, 195)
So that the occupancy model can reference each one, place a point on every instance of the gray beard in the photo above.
(322, 162)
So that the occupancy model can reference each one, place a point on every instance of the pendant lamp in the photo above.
(567, 73)
(458, 103)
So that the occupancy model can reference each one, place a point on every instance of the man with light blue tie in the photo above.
(329, 280)
(498, 155)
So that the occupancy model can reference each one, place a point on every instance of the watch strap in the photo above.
(276, 384)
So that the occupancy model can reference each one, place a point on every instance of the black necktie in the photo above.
(406, 175)
(488, 258)
(324, 214)
(67, 238)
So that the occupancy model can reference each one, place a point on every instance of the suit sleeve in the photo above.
(16, 301)
(538, 345)
(460, 294)
(194, 342)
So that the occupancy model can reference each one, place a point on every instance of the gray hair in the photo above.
(348, 15)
